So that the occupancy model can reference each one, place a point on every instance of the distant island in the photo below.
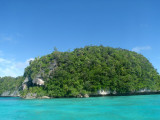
(84, 72)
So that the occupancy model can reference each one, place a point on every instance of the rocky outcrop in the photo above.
(30, 96)
(143, 90)
(34, 96)
(79, 96)
(38, 81)
(86, 96)
(25, 84)
(45, 97)
(82, 96)
(10, 94)
(103, 92)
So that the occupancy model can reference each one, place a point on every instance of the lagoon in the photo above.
(141, 107)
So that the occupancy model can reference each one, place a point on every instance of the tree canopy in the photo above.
(92, 68)
(10, 83)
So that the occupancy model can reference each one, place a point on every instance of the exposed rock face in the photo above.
(86, 96)
(82, 96)
(26, 80)
(6, 93)
(24, 87)
(79, 96)
(45, 97)
(114, 92)
(38, 81)
(140, 92)
(25, 83)
(34, 96)
(31, 96)
(144, 90)
(103, 92)
(15, 93)
(12, 94)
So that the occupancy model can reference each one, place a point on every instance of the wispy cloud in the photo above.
(11, 38)
(12, 67)
(6, 38)
(139, 49)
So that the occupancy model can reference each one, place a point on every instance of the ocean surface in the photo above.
(142, 107)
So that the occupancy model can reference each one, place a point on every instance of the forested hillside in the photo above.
(89, 69)
(10, 84)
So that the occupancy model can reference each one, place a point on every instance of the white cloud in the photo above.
(12, 67)
(5, 38)
(28, 60)
(139, 49)
(10, 38)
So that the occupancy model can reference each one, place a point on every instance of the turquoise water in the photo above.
(144, 107)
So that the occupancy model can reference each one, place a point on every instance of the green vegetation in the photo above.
(88, 69)
(85, 71)
(34, 89)
(10, 84)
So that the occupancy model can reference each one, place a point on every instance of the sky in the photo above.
(32, 28)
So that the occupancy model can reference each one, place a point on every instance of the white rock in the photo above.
(38, 81)
(144, 90)
(103, 92)
(86, 96)
(45, 97)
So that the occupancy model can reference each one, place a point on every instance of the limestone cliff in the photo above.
(38, 79)
(10, 94)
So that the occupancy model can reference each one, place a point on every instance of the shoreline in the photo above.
(124, 94)
(128, 94)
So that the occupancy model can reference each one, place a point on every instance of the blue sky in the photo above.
(32, 28)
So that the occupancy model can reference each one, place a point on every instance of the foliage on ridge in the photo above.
(88, 69)
(10, 84)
